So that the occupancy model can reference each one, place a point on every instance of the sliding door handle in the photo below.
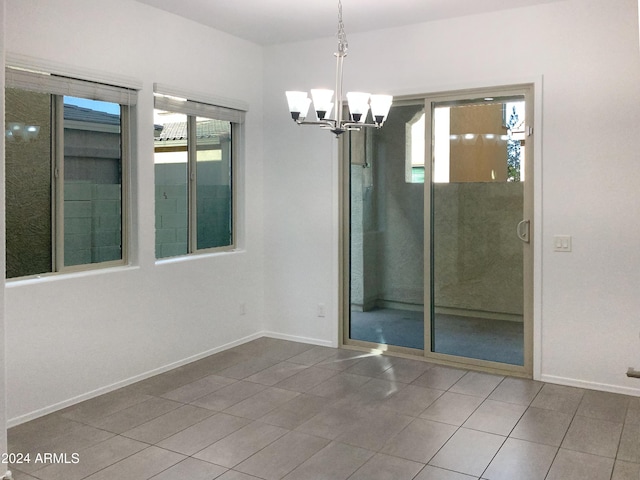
(522, 230)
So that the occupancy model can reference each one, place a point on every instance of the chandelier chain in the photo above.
(342, 36)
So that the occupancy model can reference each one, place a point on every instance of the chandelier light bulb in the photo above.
(358, 106)
(297, 102)
(380, 106)
(322, 102)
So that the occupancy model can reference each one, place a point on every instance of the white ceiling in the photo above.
(279, 21)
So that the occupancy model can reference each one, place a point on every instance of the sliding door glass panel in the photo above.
(477, 206)
(387, 230)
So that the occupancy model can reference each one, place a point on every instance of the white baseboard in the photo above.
(115, 386)
(604, 387)
(295, 338)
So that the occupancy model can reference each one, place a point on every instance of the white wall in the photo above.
(3, 404)
(587, 302)
(75, 335)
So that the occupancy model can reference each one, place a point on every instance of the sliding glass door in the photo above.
(438, 215)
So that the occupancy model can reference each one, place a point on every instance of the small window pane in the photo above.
(28, 183)
(92, 182)
(213, 183)
(171, 163)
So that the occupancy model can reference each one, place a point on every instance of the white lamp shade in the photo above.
(322, 101)
(358, 105)
(380, 105)
(298, 103)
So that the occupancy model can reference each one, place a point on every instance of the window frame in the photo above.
(171, 100)
(58, 86)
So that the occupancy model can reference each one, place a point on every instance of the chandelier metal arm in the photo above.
(358, 110)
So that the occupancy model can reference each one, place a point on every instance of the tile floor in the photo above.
(273, 409)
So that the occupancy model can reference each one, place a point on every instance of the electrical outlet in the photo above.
(321, 310)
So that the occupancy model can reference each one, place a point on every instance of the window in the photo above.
(195, 145)
(67, 149)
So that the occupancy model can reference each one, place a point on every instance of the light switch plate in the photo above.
(562, 243)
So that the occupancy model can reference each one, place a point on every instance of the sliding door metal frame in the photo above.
(526, 370)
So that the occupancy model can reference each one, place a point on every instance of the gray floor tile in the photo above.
(373, 431)
(313, 356)
(273, 348)
(331, 422)
(104, 405)
(626, 471)
(241, 444)
(194, 390)
(386, 467)
(629, 450)
(141, 466)
(43, 429)
(590, 435)
(516, 390)
(93, 459)
(344, 406)
(370, 365)
(439, 378)
(162, 383)
(334, 462)
(136, 415)
(495, 417)
(518, 459)
(477, 384)
(261, 403)
(633, 415)
(404, 370)
(282, 456)
(228, 396)
(80, 437)
(452, 408)
(234, 475)
(191, 469)
(542, 426)
(339, 385)
(570, 465)
(435, 473)
(248, 367)
(204, 433)
(307, 379)
(468, 452)
(277, 373)
(604, 406)
(558, 398)
(18, 475)
(371, 394)
(295, 412)
(419, 441)
(341, 360)
(220, 361)
(411, 400)
(168, 424)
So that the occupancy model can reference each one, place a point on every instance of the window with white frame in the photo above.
(195, 146)
(67, 149)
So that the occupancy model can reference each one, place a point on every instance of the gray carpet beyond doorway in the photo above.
(483, 339)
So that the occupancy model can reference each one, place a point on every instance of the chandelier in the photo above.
(359, 102)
